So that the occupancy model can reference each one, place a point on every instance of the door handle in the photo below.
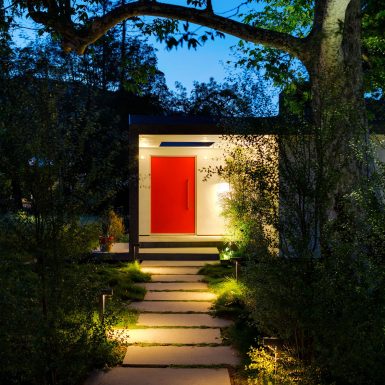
(188, 194)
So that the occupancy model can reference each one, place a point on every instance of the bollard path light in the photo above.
(105, 293)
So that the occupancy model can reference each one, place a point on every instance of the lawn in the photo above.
(122, 278)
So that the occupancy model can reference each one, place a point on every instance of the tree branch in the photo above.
(78, 39)
(209, 7)
(319, 15)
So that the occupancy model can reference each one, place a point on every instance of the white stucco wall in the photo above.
(208, 211)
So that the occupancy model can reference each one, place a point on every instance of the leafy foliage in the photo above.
(320, 306)
(373, 41)
(59, 151)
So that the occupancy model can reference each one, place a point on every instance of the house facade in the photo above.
(172, 199)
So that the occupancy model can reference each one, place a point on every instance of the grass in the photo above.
(230, 303)
(216, 273)
(123, 279)
(230, 293)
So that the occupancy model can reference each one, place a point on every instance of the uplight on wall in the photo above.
(222, 188)
(143, 142)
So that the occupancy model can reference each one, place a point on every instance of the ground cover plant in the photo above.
(122, 279)
(66, 335)
(230, 303)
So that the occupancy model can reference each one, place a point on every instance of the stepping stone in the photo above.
(154, 319)
(167, 336)
(175, 286)
(170, 270)
(179, 355)
(177, 278)
(176, 263)
(160, 376)
(179, 296)
(180, 250)
(172, 307)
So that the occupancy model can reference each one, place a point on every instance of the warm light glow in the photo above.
(143, 142)
(142, 157)
(223, 188)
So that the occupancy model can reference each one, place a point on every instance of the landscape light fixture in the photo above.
(104, 294)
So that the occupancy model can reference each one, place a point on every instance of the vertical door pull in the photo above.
(187, 194)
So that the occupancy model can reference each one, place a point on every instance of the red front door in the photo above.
(172, 195)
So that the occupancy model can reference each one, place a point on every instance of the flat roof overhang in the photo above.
(201, 125)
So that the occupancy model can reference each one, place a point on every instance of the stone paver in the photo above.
(177, 278)
(180, 355)
(176, 263)
(179, 250)
(171, 270)
(175, 311)
(155, 319)
(170, 306)
(167, 336)
(179, 296)
(175, 286)
(163, 376)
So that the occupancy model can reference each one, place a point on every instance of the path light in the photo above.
(105, 293)
(237, 261)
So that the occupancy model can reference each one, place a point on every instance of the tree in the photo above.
(325, 35)
(242, 95)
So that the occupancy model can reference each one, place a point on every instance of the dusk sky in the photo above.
(186, 65)
(207, 61)
(183, 65)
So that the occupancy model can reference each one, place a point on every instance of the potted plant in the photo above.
(112, 230)
(105, 242)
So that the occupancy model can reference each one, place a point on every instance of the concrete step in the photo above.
(159, 286)
(167, 336)
(171, 306)
(179, 296)
(180, 250)
(195, 320)
(179, 253)
(160, 376)
(180, 355)
(184, 243)
(176, 263)
(177, 278)
(171, 270)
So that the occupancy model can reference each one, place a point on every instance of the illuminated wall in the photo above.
(208, 210)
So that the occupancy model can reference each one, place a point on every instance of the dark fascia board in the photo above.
(169, 120)
(201, 125)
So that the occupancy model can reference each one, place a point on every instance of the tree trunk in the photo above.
(336, 76)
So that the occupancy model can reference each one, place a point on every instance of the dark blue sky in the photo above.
(184, 65)
(207, 61)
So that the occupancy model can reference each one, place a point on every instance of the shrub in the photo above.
(281, 367)
(113, 226)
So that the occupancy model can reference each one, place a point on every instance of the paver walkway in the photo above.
(174, 329)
